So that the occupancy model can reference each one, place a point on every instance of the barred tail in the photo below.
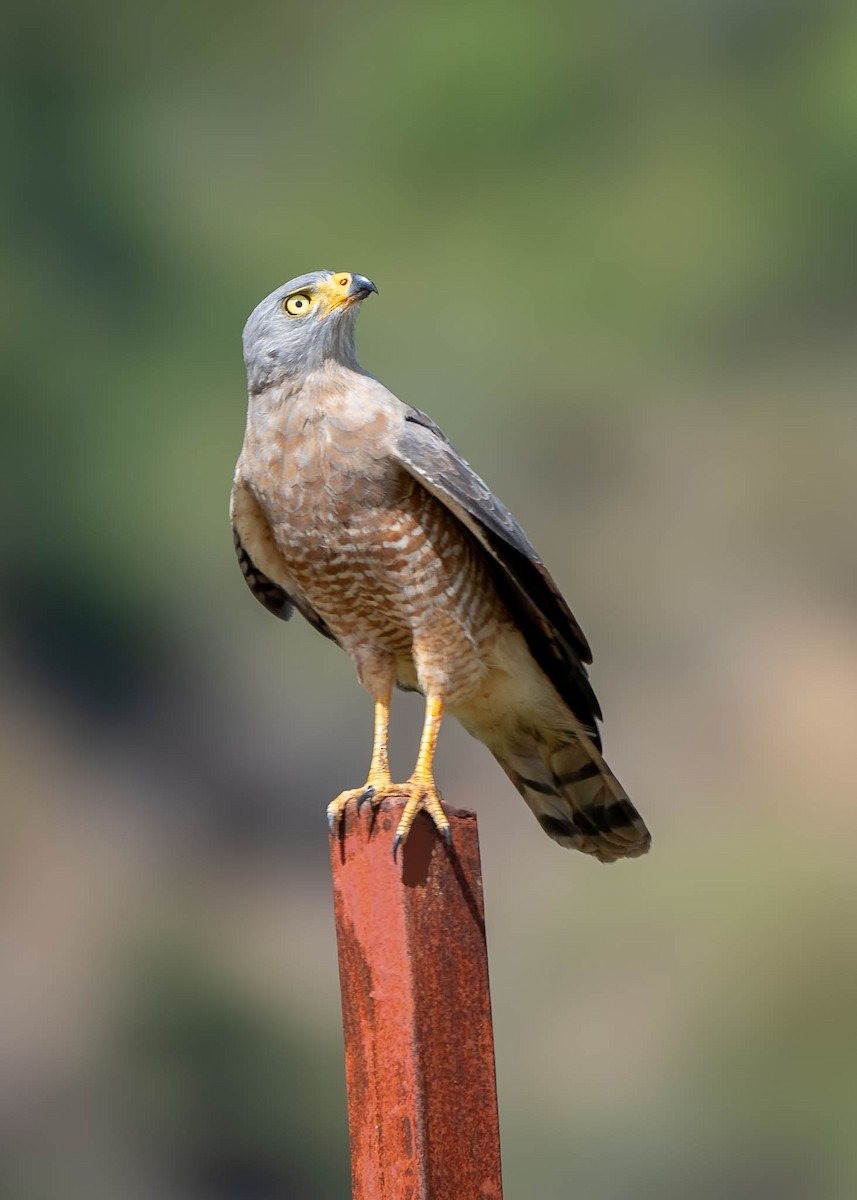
(575, 797)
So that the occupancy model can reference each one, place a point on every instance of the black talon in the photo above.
(367, 794)
(397, 841)
(447, 835)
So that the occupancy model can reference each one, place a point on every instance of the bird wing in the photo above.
(261, 563)
(554, 637)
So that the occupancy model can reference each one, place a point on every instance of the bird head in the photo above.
(303, 324)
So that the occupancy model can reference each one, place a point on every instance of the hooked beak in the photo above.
(361, 287)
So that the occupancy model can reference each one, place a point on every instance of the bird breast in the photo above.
(376, 555)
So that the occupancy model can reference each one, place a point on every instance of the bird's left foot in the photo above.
(420, 795)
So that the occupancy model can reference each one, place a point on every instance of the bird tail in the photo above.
(574, 795)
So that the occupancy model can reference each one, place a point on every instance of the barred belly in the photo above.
(400, 576)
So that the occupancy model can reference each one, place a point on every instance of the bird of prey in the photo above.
(355, 509)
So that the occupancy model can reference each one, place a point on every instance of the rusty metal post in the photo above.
(419, 1046)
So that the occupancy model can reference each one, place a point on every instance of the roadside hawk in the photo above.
(355, 509)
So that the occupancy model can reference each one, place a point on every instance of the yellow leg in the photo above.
(378, 779)
(421, 790)
(379, 767)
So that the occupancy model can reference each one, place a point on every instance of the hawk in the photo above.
(355, 509)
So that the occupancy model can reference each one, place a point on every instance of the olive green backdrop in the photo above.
(614, 244)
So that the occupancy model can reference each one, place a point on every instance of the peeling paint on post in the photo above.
(419, 1046)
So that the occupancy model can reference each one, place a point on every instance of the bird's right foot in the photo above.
(337, 807)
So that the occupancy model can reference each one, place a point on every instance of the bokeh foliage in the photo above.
(614, 247)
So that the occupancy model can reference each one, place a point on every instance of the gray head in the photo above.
(303, 324)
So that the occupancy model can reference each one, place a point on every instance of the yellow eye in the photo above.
(297, 306)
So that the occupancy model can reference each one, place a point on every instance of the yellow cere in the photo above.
(334, 291)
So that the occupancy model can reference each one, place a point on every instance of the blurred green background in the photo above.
(615, 251)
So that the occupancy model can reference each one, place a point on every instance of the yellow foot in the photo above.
(337, 807)
(420, 795)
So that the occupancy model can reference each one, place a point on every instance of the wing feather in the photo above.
(554, 637)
